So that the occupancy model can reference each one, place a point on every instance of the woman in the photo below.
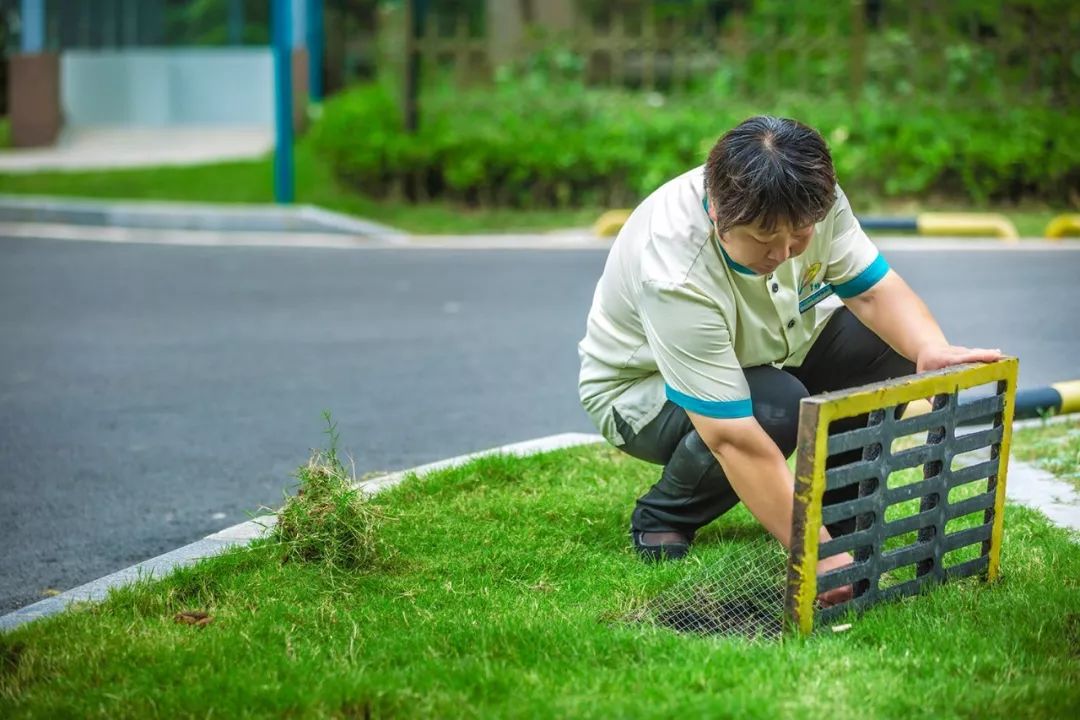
(717, 312)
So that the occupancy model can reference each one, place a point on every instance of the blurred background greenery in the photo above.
(560, 104)
(589, 103)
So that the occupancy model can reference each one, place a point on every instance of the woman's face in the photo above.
(761, 251)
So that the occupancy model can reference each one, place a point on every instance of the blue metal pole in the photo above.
(283, 153)
(315, 44)
(32, 16)
(298, 21)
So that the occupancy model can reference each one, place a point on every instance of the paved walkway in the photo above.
(120, 147)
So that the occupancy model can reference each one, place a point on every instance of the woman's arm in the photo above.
(899, 317)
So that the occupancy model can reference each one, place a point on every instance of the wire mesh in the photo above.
(736, 589)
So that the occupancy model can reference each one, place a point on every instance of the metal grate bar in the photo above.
(969, 506)
(976, 440)
(971, 473)
(910, 523)
(963, 538)
(907, 555)
(853, 508)
(916, 456)
(980, 408)
(852, 439)
(967, 569)
(912, 491)
(843, 576)
(853, 473)
(845, 543)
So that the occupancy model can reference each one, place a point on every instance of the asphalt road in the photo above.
(150, 395)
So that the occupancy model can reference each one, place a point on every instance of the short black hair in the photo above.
(770, 170)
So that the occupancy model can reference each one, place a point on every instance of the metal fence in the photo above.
(114, 24)
(997, 51)
(985, 50)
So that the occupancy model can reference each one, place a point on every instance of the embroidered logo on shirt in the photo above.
(808, 278)
(817, 291)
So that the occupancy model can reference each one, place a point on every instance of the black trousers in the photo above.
(693, 490)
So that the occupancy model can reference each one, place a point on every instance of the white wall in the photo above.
(166, 87)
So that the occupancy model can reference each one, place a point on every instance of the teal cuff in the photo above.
(865, 280)
(723, 409)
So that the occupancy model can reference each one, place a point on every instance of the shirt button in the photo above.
(775, 287)
(790, 324)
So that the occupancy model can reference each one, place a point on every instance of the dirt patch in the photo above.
(197, 618)
(10, 656)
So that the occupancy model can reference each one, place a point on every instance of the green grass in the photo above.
(329, 520)
(1032, 223)
(1054, 447)
(251, 181)
(5, 132)
(502, 589)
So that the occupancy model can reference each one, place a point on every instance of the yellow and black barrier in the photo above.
(977, 224)
(945, 224)
(940, 224)
(1059, 398)
(898, 552)
(1062, 226)
(610, 223)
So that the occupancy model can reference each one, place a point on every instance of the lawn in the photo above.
(251, 181)
(506, 588)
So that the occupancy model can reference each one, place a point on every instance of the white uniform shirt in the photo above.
(675, 318)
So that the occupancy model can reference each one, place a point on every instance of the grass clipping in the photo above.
(329, 521)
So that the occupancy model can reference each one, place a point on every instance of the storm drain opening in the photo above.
(738, 593)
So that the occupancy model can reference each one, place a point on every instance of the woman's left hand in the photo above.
(936, 357)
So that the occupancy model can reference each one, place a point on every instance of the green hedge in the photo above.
(543, 144)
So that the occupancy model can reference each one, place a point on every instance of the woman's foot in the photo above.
(660, 545)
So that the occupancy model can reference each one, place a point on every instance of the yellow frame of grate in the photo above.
(815, 415)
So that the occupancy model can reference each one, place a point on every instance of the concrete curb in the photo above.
(156, 215)
(236, 238)
(245, 532)
(564, 240)
(914, 244)
(197, 238)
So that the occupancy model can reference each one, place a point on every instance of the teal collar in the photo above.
(741, 269)
(734, 265)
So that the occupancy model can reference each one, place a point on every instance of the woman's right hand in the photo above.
(844, 592)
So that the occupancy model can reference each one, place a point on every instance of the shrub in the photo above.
(533, 142)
